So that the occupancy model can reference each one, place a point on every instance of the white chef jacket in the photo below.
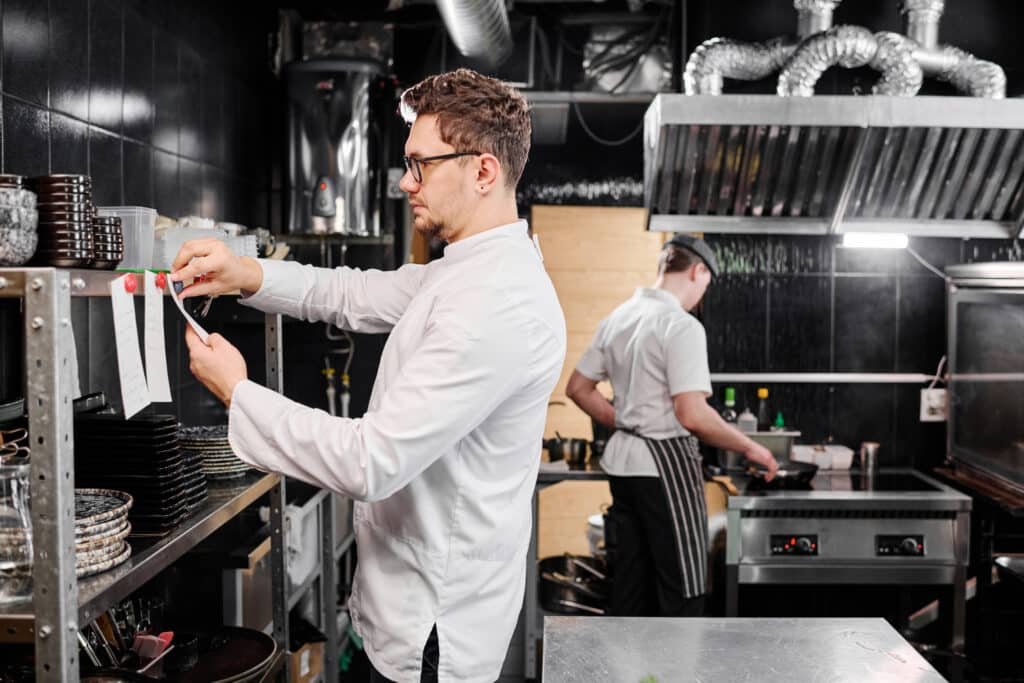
(650, 349)
(445, 457)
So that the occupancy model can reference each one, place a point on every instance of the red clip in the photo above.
(130, 285)
(161, 280)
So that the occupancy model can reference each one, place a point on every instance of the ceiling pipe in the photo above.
(903, 60)
(479, 28)
(719, 58)
(851, 47)
(967, 73)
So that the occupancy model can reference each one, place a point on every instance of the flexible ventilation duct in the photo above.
(903, 60)
(852, 47)
(479, 28)
(963, 70)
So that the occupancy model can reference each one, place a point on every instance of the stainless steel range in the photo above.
(899, 527)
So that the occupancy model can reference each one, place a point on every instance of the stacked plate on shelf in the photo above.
(140, 456)
(210, 443)
(101, 527)
(108, 242)
(195, 480)
(66, 212)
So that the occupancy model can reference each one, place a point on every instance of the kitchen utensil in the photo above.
(572, 450)
(867, 457)
(779, 443)
(568, 584)
(789, 473)
(16, 526)
(231, 654)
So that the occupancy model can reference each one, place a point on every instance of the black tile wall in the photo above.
(26, 137)
(865, 329)
(133, 93)
(138, 174)
(106, 64)
(105, 160)
(26, 46)
(137, 108)
(806, 304)
(736, 339)
(69, 144)
(799, 323)
(69, 58)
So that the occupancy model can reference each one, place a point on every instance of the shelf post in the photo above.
(329, 587)
(278, 574)
(49, 365)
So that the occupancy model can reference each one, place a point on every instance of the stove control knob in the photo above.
(909, 546)
(804, 545)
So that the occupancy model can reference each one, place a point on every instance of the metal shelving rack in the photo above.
(60, 602)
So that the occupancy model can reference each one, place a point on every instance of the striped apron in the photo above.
(679, 465)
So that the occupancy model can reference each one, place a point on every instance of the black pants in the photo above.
(431, 653)
(647, 579)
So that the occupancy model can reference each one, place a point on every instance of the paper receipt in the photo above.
(196, 327)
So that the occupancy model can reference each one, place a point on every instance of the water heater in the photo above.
(336, 155)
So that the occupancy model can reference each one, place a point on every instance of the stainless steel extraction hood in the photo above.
(925, 166)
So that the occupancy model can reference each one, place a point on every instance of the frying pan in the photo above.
(789, 473)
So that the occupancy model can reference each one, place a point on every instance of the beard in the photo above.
(429, 228)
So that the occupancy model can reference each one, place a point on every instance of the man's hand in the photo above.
(222, 271)
(219, 366)
(762, 456)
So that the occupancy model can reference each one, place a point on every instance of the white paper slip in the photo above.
(76, 388)
(203, 334)
(156, 350)
(134, 390)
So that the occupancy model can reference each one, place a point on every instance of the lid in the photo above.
(762, 392)
(730, 396)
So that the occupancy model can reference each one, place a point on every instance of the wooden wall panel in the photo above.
(596, 257)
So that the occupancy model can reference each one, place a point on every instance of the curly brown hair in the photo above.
(475, 112)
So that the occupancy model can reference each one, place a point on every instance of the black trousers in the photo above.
(647, 580)
(431, 653)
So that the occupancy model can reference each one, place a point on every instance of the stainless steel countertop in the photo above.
(591, 472)
(834, 490)
(631, 650)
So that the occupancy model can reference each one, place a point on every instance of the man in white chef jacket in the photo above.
(446, 457)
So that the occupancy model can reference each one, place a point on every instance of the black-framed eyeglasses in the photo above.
(415, 164)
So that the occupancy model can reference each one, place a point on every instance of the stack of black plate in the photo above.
(65, 210)
(108, 242)
(140, 456)
(195, 480)
(210, 443)
(12, 182)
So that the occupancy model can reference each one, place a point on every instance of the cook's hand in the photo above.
(222, 271)
(762, 456)
(219, 366)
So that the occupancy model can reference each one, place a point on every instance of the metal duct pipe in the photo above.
(921, 21)
(963, 70)
(813, 16)
(851, 47)
(971, 75)
(479, 28)
(720, 58)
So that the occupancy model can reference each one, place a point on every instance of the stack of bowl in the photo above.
(107, 242)
(18, 219)
(65, 220)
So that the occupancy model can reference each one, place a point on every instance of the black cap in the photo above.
(698, 247)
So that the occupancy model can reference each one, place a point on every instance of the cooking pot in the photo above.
(573, 451)
(571, 584)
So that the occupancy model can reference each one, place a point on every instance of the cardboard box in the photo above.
(307, 662)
